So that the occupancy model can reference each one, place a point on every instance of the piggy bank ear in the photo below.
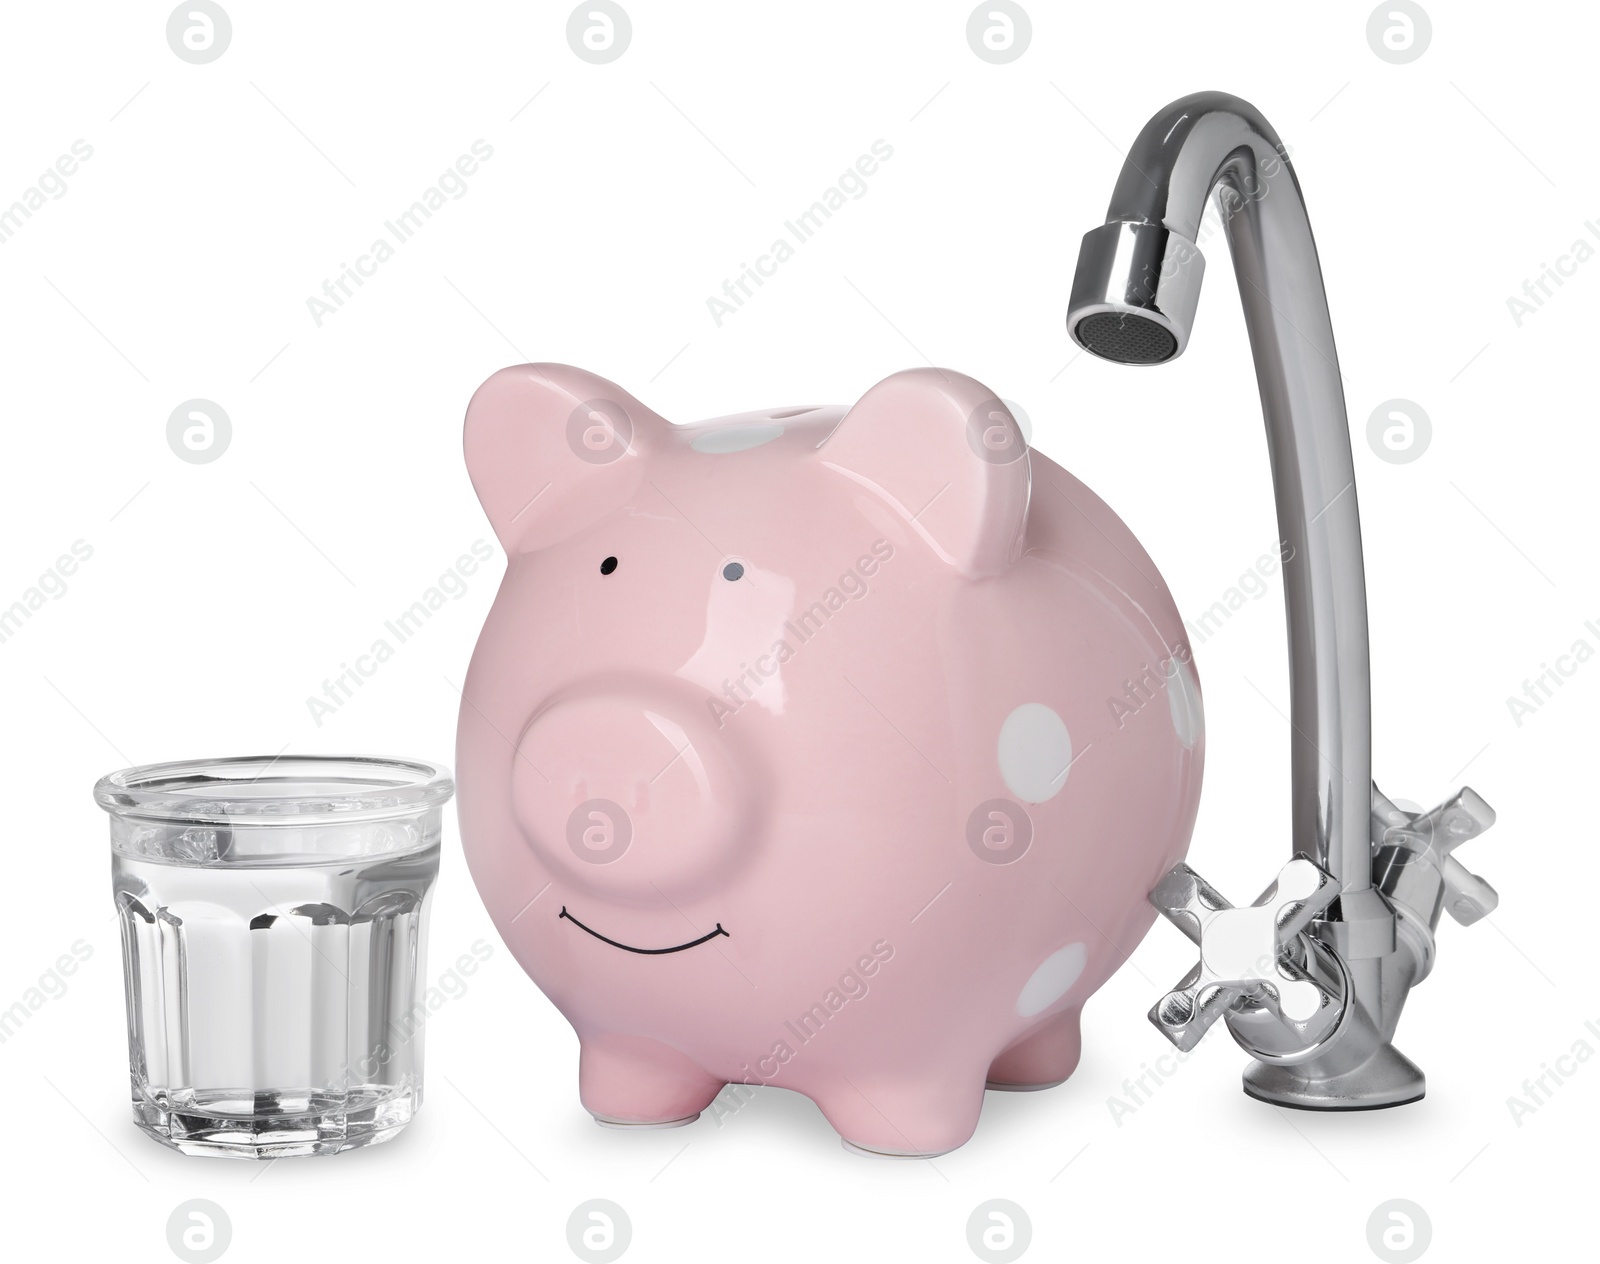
(948, 457)
(551, 449)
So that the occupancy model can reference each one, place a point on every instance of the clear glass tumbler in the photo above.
(274, 927)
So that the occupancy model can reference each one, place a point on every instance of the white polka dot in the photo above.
(1052, 980)
(1183, 696)
(735, 438)
(1034, 751)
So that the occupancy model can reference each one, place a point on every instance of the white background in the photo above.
(219, 596)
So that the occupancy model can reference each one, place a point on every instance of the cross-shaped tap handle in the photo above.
(1430, 838)
(1243, 951)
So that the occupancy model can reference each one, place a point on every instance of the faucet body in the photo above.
(1360, 934)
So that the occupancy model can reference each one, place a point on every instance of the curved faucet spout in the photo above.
(1133, 301)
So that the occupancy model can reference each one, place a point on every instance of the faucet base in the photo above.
(1387, 1078)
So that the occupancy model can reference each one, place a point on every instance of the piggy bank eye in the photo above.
(607, 566)
(733, 570)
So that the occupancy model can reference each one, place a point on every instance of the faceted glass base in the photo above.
(275, 1125)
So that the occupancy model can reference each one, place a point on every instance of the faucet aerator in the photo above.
(1135, 292)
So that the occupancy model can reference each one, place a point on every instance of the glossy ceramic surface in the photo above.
(828, 749)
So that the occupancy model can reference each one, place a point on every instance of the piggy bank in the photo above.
(819, 748)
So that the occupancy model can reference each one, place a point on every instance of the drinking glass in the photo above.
(274, 918)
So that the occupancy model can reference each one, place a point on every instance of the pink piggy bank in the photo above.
(831, 749)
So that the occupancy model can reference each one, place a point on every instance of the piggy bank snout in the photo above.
(632, 796)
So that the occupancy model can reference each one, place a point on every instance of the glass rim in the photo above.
(332, 790)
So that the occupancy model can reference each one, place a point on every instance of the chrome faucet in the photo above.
(1312, 977)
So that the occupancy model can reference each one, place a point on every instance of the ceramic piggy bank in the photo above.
(829, 749)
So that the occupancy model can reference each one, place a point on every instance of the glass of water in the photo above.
(274, 920)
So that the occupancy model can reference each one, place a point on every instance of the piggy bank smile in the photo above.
(649, 952)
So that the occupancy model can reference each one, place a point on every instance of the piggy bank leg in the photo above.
(902, 1115)
(633, 1081)
(1043, 1058)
